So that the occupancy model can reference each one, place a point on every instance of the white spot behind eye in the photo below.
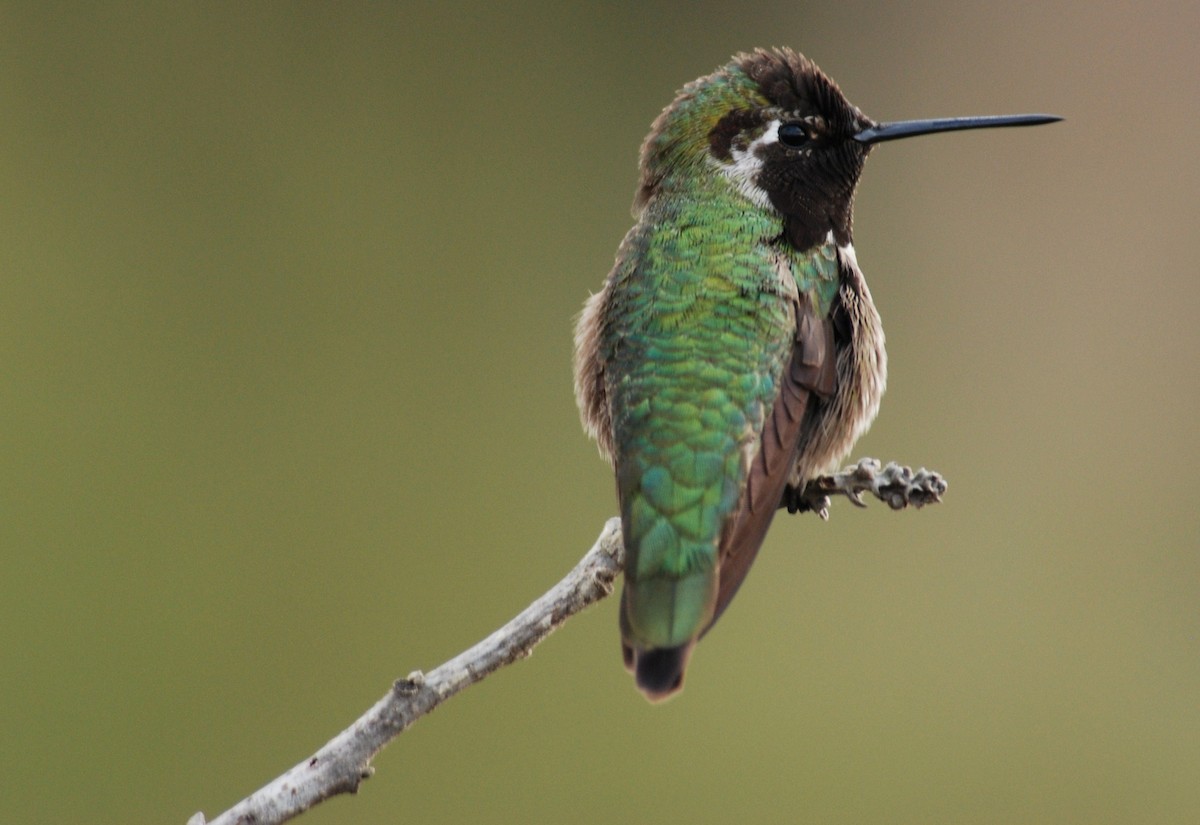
(745, 164)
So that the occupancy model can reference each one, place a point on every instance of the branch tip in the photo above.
(895, 485)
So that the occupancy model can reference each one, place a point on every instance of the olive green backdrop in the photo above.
(286, 299)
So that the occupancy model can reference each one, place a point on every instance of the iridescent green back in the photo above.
(698, 332)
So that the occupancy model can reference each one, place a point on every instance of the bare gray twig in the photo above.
(894, 484)
(345, 761)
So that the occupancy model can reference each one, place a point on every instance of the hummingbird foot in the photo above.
(896, 485)
(808, 500)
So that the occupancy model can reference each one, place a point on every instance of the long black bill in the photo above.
(911, 128)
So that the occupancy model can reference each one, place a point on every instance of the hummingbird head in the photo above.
(778, 129)
(781, 132)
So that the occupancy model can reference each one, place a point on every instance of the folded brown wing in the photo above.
(811, 372)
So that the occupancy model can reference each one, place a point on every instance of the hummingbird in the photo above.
(734, 352)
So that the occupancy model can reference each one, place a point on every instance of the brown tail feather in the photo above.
(659, 672)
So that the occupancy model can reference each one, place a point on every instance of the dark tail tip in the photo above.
(659, 672)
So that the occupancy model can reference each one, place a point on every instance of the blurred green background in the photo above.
(286, 301)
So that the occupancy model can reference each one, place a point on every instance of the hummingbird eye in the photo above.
(793, 135)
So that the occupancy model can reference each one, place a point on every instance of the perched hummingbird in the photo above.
(734, 352)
